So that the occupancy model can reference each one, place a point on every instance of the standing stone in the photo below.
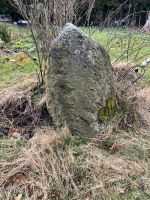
(80, 89)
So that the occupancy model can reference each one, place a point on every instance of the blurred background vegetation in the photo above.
(100, 12)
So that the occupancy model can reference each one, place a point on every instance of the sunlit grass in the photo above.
(122, 44)
(12, 71)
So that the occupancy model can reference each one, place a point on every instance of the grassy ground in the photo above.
(13, 71)
(15, 66)
(123, 45)
(54, 165)
(127, 45)
(57, 166)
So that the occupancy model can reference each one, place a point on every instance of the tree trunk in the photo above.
(146, 27)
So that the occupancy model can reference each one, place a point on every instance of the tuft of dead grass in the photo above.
(18, 90)
(55, 165)
(119, 66)
(23, 108)
(132, 99)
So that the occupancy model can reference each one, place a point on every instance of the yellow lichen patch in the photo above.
(108, 111)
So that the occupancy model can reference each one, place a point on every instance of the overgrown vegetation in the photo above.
(58, 166)
(123, 45)
(23, 109)
(55, 165)
(45, 20)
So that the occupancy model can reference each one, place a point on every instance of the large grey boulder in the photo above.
(80, 89)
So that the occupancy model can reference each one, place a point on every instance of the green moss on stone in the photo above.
(108, 112)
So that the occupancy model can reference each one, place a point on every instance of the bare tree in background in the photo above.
(146, 27)
(47, 17)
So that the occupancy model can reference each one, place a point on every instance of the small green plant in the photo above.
(5, 34)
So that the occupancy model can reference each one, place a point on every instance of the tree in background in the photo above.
(7, 8)
(134, 12)
(146, 27)
(137, 8)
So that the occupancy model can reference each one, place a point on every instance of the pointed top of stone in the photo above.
(69, 26)
(69, 29)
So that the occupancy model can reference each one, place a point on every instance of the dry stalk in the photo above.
(45, 20)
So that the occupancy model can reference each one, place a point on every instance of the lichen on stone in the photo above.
(107, 112)
(79, 78)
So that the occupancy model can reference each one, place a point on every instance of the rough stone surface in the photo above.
(80, 89)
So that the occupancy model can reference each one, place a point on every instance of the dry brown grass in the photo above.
(118, 66)
(14, 93)
(132, 99)
(22, 108)
(54, 165)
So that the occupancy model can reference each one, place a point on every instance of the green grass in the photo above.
(14, 71)
(116, 41)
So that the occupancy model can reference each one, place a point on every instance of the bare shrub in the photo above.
(45, 20)
(122, 33)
